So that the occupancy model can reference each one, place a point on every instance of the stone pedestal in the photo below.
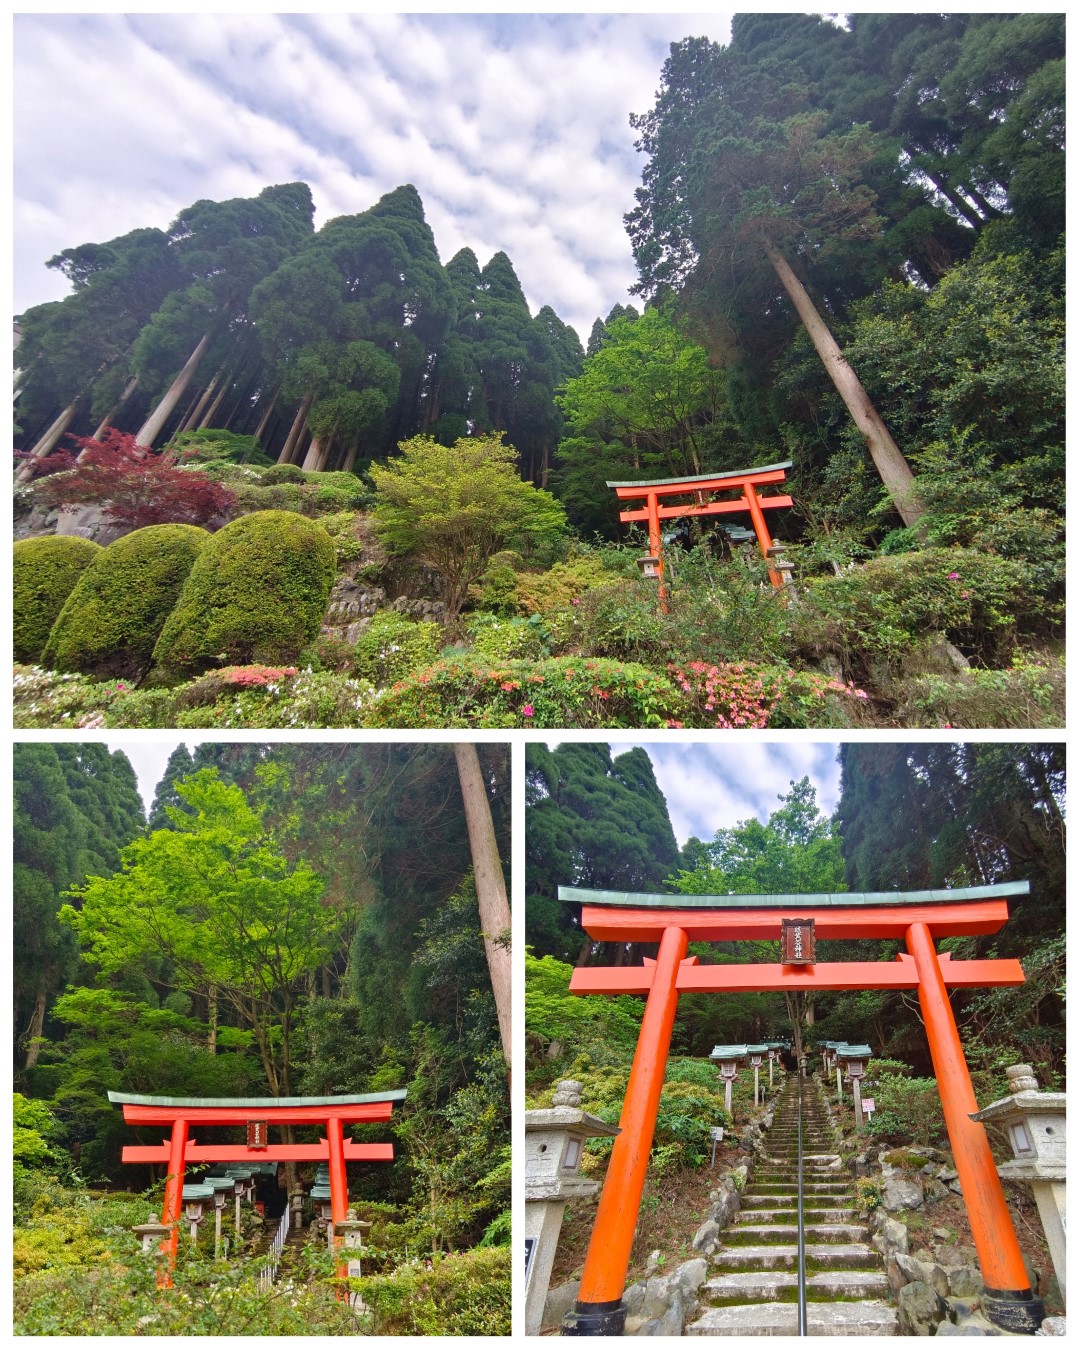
(554, 1139)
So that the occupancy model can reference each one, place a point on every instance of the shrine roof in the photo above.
(827, 900)
(701, 477)
(259, 1103)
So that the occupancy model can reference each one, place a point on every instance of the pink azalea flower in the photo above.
(527, 710)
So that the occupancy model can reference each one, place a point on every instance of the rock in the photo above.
(1051, 1294)
(942, 1234)
(934, 1191)
(964, 1281)
(739, 1176)
(946, 1174)
(914, 1270)
(669, 1323)
(559, 1302)
(653, 1264)
(634, 1299)
(954, 1254)
(900, 1193)
(1052, 1326)
(965, 1329)
(920, 1310)
(725, 1205)
(705, 1237)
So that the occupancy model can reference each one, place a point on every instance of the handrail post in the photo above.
(802, 1234)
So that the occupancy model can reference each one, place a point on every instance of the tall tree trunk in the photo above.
(288, 450)
(265, 419)
(890, 463)
(37, 1024)
(490, 885)
(212, 1019)
(191, 421)
(350, 458)
(316, 454)
(106, 421)
(47, 442)
(211, 412)
(948, 192)
(154, 425)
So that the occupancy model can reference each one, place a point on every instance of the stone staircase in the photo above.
(754, 1289)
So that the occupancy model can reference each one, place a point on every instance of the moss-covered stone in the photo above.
(257, 593)
(45, 572)
(113, 617)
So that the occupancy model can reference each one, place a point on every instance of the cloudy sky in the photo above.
(513, 127)
(713, 785)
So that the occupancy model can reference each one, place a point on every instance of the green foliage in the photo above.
(560, 692)
(213, 443)
(454, 507)
(978, 600)
(554, 1014)
(907, 1109)
(257, 592)
(79, 1273)
(44, 573)
(393, 646)
(113, 617)
(228, 912)
(1030, 693)
(464, 1294)
(514, 639)
(283, 473)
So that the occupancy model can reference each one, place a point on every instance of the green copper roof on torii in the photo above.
(259, 1103)
(701, 477)
(829, 900)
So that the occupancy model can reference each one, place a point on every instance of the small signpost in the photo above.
(717, 1132)
(869, 1106)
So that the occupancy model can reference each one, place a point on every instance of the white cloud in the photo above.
(514, 129)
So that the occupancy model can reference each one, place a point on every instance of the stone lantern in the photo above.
(728, 1056)
(352, 1232)
(222, 1188)
(757, 1055)
(650, 566)
(554, 1141)
(854, 1058)
(151, 1234)
(196, 1197)
(1035, 1124)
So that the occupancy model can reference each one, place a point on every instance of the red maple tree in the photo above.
(132, 485)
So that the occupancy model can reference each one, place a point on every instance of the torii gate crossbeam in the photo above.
(918, 918)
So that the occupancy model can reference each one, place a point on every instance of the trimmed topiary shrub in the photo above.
(45, 572)
(113, 617)
(283, 473)
(257, 593)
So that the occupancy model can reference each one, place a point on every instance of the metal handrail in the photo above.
(802, 1234)
(269, 1271)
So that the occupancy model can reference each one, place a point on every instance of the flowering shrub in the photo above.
(976, 599)
(560, 692)
(133, 485)
(494, 639)
(393, 645)
(745, 696)
(43, 698)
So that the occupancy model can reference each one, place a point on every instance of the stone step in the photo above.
(848, 1214)
(830, 1255)
(782, 1319)
(790, 1200)
(772, 1285)
(744, 1234)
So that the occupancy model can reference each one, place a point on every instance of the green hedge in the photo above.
(257, 593)
(113, 617)
(45, 572)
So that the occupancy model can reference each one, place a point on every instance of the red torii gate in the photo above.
(673, 921)
(744, 481)
(180, 1113)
